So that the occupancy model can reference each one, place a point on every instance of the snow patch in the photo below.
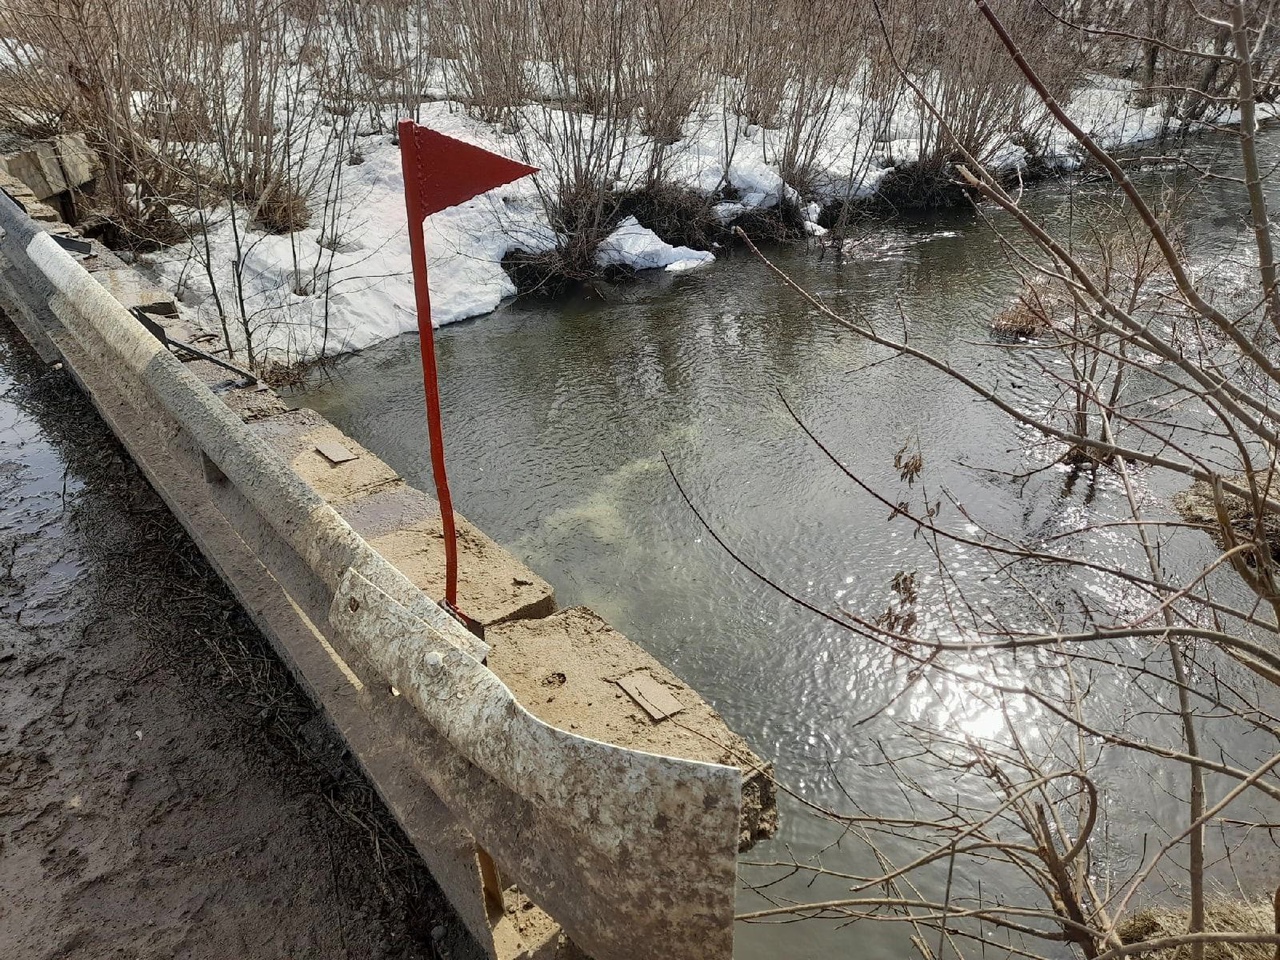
(632, 245)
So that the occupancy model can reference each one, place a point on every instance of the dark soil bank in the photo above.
(165, 789)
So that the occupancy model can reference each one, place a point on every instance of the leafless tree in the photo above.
(1148, 378)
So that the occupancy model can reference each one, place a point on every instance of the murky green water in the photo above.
(559, 416)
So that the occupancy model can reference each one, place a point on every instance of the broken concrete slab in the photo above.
(251, 404)
(247, 400)
(80, 162)
(128, 286)
(493, 586)
(52, 167)
(22, 195)
(37, 166)
(104, 258)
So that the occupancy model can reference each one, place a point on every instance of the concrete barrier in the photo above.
(625, 840)
(51, 168)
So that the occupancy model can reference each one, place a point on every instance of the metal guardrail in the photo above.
(633, 854)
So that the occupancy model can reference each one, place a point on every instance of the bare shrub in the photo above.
(492, 39)
(1148, 382)
(978, 99)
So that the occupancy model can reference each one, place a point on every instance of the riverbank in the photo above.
(345, 283)
(255, 145)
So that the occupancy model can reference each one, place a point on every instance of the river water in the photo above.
(558, 416)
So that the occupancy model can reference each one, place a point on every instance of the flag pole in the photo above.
(456, 172)
(410, 164)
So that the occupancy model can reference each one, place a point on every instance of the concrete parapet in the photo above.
(298, 436)
(571, 670)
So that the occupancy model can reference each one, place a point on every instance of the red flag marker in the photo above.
(441, 172)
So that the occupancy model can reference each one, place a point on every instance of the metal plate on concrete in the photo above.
(335, 452)
(72, 244)
(657, 701)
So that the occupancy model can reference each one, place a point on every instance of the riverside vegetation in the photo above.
(252, 136)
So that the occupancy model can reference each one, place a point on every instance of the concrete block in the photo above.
(131, 290)
(79, 162)
(51, 167)
(37, 167)
(493, 586)
(23, 196)
(403, 524)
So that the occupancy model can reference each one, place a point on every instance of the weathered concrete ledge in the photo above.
(591, 843)
(52, 168)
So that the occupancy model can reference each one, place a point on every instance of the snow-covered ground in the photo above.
(345, 282)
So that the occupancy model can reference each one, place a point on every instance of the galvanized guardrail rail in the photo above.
(629, 851)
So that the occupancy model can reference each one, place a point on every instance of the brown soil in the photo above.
(165, 788)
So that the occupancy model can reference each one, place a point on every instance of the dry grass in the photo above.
(281, 208)
(1221, 916)
(1029, 316)
(1197, 504)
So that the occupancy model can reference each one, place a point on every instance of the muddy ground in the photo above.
(166, 790)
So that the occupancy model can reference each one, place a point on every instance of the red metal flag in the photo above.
(449, 171)
(441, 172)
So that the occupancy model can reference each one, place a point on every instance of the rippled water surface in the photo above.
(558, 417)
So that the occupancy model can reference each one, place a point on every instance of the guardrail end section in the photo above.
(633, 854)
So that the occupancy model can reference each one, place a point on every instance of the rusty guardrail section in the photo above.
(633, 854)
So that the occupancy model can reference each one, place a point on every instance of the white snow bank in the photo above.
(14, 53)
(348, 284)
(1106, 109)
(632, 245)
(345, 282)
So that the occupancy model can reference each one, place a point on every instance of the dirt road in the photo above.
(165, 789)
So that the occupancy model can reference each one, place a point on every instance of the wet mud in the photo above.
(166, 789)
